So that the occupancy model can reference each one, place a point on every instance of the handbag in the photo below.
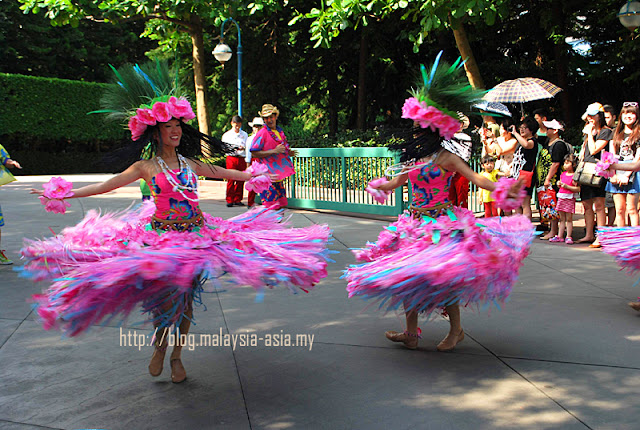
(5, 175)
(526, 176)
(547, 201)
(586, 174)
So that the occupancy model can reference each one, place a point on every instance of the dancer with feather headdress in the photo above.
(158, 256)
(437, 255)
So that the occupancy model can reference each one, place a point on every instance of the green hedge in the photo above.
(51, 114)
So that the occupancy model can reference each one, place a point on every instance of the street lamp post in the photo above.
(223, 53)
(629, 15)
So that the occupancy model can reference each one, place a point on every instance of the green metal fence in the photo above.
(336, 178)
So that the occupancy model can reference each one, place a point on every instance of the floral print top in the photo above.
(430, 185)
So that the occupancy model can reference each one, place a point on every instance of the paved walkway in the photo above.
(562, 354)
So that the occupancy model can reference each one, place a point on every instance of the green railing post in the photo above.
(343, 168)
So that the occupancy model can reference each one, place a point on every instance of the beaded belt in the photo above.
(433, 211)
(177, 224)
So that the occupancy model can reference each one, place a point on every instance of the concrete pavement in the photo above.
(561, 354)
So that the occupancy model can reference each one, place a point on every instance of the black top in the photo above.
(558, 150)
(529, 155)
(604, 134)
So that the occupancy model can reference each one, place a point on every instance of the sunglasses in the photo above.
(630, 104)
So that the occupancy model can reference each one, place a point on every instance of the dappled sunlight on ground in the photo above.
(507, 403)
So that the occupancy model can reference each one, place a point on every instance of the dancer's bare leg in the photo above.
(178, 373)
(456, 334)
(160, 348)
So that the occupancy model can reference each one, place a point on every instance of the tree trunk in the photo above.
(561, 58)
(362, 73)
(470, 66)
(199, 77)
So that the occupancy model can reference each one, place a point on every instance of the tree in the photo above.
(30, 45)
(177, 15)
(428, 16)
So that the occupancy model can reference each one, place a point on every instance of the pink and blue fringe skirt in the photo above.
(109, 265)
(424, 264)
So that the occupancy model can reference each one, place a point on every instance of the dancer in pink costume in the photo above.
(159, 255)
(437, 255)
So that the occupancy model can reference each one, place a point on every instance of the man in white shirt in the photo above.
(237, 139)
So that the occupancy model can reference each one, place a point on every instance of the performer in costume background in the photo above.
(436, 255)
(256, 125)
(160, 255)
(270, 148)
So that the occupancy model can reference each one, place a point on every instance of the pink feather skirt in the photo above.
(108, 265)
(623, 243)
(425, 264)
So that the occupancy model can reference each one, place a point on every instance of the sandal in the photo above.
(555, 239)
(410, 340)
(178, 373)
(448, 343)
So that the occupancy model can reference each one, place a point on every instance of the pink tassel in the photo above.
(55, 191)
(260, 181)
(378, 195)
(602, 166)
(501, 194)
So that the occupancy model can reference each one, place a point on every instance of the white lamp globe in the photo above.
(629, 15)
(222, 52)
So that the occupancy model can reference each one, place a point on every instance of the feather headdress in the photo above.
(142, 96)
(443, 96)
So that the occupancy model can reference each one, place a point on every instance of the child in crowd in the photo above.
(491, 173)
(566, 200)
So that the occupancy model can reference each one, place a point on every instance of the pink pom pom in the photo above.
(260, 181)
(500, 195)
(378, 195)
(602, 167)
(55, 191)
(57, 188)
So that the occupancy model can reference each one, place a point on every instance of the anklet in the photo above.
(414, 334)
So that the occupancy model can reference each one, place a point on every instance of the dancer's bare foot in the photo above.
(157, 361)
(450, 342)
(635, 305)
(178, 373)
(410, 340)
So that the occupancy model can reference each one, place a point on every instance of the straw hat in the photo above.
(268, 110)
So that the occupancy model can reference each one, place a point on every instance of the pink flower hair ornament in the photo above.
(501, 193)
(160, 110)
(430, 116)
(606, 160)
(55, 191)
(378, 195)
(260, 181)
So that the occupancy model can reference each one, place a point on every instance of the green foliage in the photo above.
(62, 163)
(53, 110)
(336, 16)
(30, 45)
(446, 87)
